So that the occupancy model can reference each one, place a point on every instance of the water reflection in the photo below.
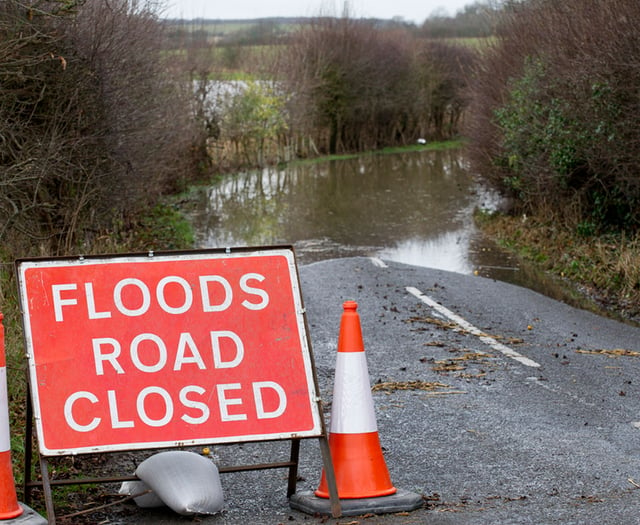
(414, 208)
(449, 251)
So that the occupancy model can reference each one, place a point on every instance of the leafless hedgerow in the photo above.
(90, 129)
(355, 87)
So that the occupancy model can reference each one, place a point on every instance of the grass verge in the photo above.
(442, 145)
(604, 268)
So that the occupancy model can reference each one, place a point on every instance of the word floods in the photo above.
(165, 350)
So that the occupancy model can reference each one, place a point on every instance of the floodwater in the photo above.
(415, 208)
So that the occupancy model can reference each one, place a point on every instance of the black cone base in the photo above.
(401, 501)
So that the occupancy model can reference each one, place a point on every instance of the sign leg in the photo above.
(330, 474)
(28, 451)
(293, 469)
(46, 487)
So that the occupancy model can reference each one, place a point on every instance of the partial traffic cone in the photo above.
(9, 506)
(360, 468)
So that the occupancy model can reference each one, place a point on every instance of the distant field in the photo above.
(215, 28)
(472, 42)
(283, 26)
(231, 27)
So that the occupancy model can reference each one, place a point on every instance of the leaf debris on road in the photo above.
(457, 364)
(616, 352)
(432, 387)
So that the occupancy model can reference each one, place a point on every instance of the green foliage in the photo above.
(252, 115)
(164, 228)
(552, 120)
(586, 229)
(546, 145)
(539, 132)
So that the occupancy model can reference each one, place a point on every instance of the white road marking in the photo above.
(465, 325)
(378, 262)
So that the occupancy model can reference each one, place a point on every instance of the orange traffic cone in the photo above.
(9, 507)
(362, 479)
(360, 468)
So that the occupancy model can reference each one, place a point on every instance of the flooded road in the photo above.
(415, 208)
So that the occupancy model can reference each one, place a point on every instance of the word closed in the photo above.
(148, 351)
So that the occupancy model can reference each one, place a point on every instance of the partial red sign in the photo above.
(148, 351)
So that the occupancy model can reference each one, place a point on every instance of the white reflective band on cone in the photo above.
(5, 441)
(352, 406)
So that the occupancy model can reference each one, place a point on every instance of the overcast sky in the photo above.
(411, 10)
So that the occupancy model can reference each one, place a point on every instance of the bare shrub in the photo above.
(147, 128)
(444, 71)
(355, 87)
(90, 131)
(36, 124)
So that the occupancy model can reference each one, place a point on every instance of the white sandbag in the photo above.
(186, 482)
(147, 500)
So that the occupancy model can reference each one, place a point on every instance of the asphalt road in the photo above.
(528, 410)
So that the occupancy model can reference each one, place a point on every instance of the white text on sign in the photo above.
(64, 295)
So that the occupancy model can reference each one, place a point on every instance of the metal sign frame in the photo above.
(160, 288)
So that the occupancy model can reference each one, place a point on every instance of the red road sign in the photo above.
(139, 351)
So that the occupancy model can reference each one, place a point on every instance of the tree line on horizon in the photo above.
(475, 20)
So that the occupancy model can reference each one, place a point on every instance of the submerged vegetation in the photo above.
(337, 86)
